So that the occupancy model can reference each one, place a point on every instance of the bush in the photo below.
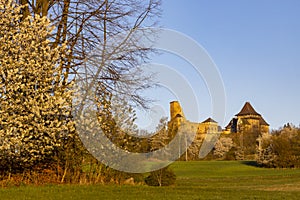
(161, 177)
(222, 147)
(281, 149)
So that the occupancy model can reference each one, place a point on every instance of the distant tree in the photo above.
(161, 177)
(280, 149)
(160, 137)
(223, 145)
(245, 144)
(192, 152)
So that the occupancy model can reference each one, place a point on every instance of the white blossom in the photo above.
(34, 107)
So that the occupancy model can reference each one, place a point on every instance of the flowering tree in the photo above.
(223, 145)
(34, 106)
(280, 149)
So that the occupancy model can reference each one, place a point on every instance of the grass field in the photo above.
(195, 180)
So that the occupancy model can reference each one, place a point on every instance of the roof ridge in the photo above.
(209, 120)
(247, 110)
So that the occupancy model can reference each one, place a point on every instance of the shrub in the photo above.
(161, 177)
(222, 147)
(281, 149)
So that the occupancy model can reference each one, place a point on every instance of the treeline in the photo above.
(278, 149)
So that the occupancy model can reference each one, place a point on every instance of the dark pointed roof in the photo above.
(229, 125)
(262, 121)
(209, 120)
(247, 110)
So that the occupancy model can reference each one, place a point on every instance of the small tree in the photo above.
(281, 149)
(161, 177)
(223, 145)
(160, 139)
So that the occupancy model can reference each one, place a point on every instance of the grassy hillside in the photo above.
(236, 180)
(195, 180)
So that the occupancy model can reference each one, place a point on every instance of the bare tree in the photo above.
(86, 25)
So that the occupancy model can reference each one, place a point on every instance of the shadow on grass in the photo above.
(250, 163)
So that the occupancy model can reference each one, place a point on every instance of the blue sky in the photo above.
(256, 47)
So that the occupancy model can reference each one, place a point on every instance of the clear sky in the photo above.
(256, 47)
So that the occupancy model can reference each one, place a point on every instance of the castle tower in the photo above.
(248, 120)
(175, 110)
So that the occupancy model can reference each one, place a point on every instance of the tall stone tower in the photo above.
(176, 114)
(175, 110)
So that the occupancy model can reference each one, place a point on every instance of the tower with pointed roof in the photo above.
(248, 120)
(208, 126)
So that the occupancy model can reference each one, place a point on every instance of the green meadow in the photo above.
(195, 180)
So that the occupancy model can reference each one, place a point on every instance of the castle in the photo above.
(177, 117)
(247, 120)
